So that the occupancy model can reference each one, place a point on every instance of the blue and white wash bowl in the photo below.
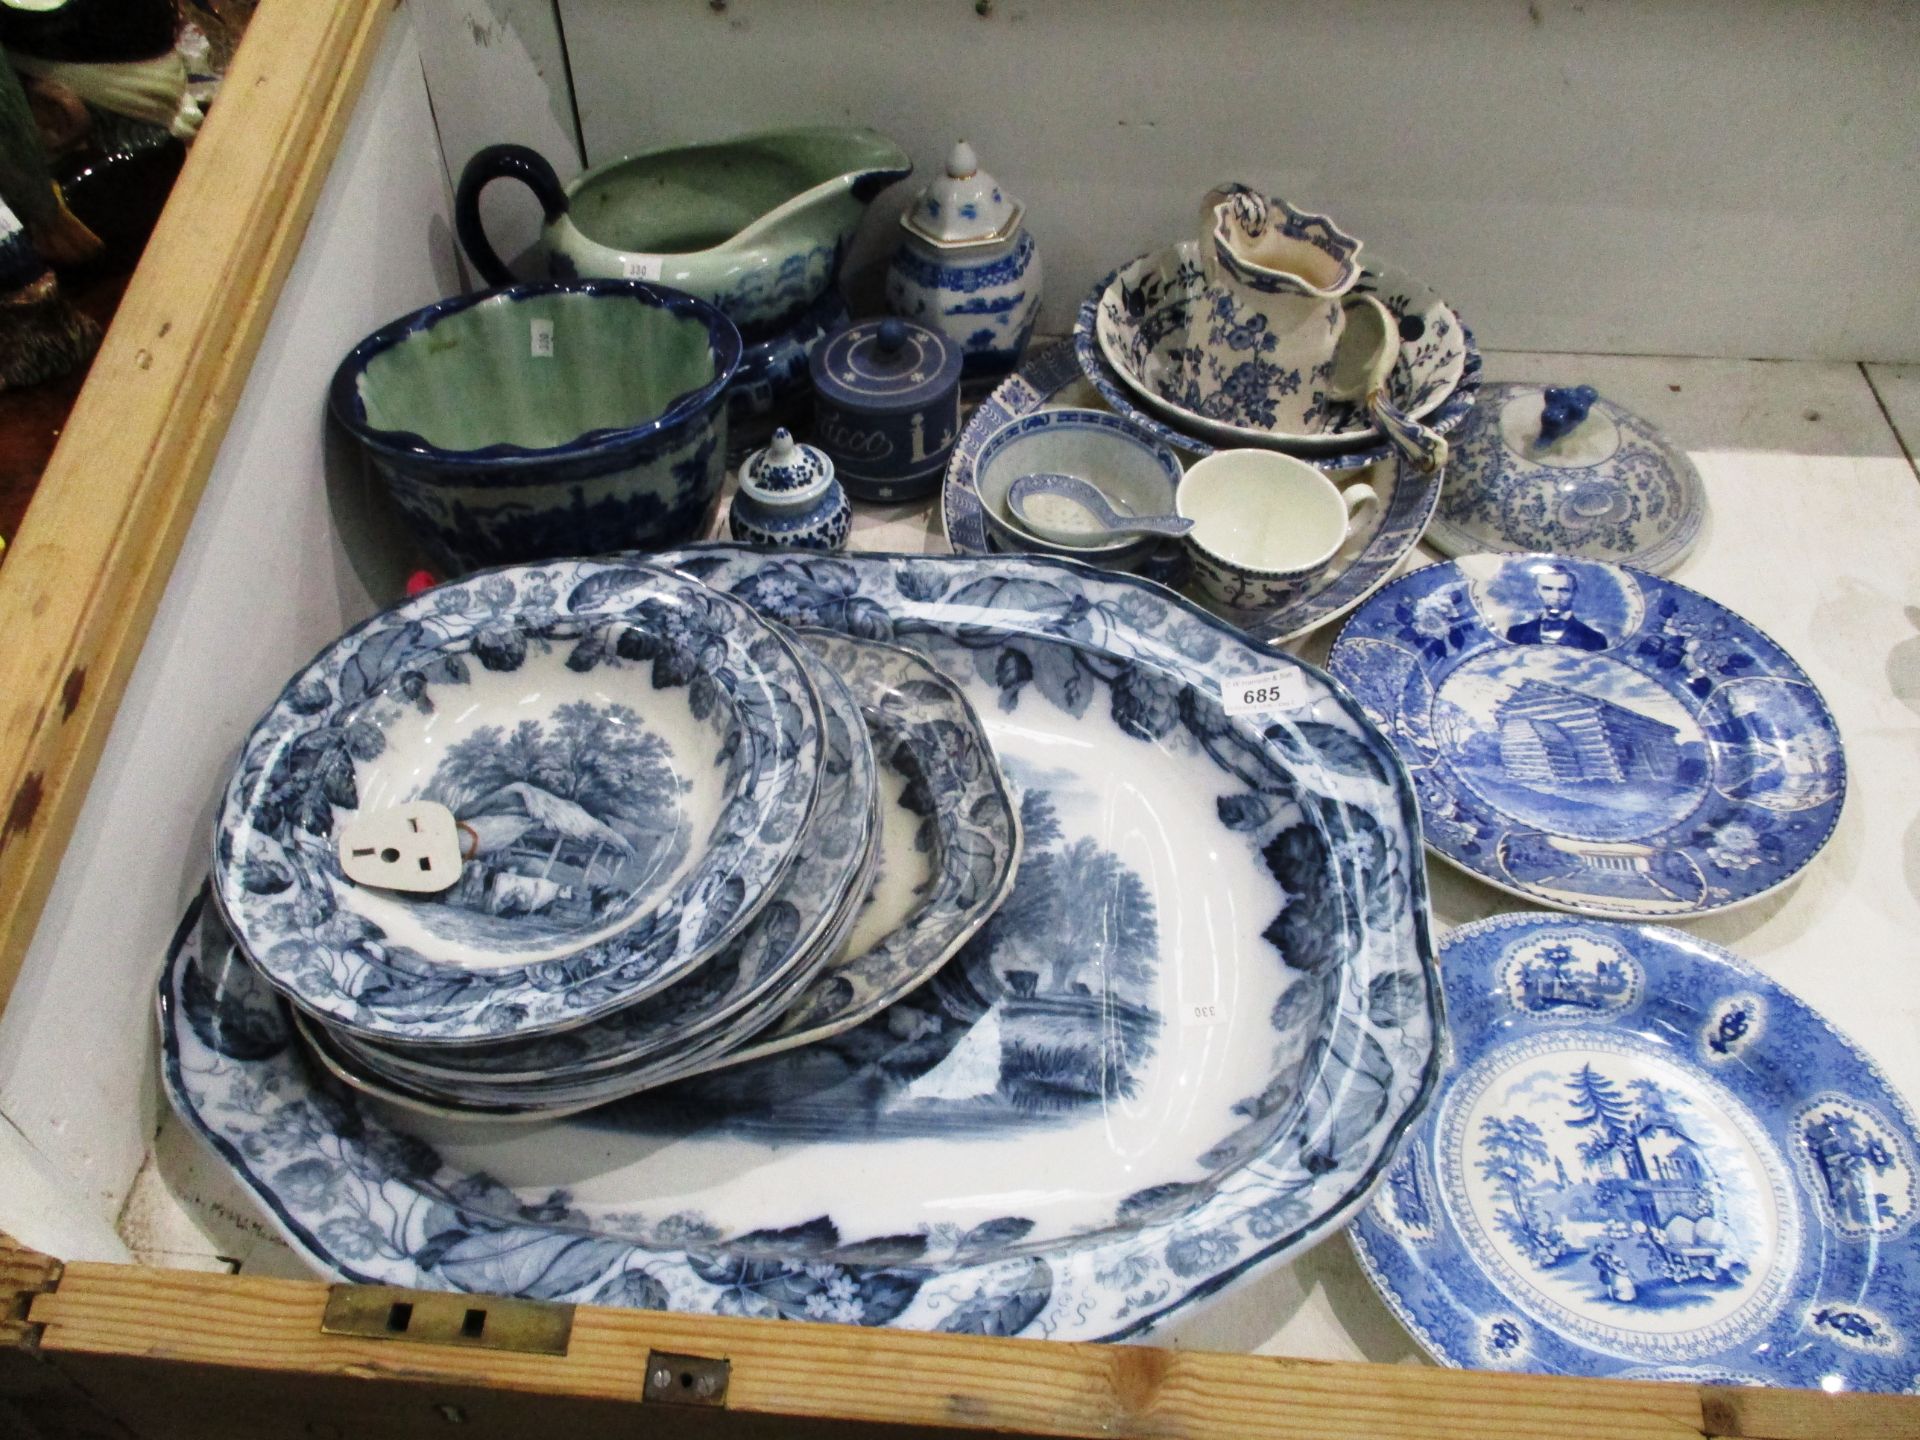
(788, 496)
(1649, 1161)
(967, 265)
(545, 420)
(1138, 474)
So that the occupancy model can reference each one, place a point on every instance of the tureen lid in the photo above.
(1561, 468)
(786, 472)
(965, 206)
(885, 365)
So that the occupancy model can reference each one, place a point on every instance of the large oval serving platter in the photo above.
(792, 936)
(1143, 1078)
(630, 755)
(1649, 1160)
(1596, 738)
(1052, 377)
(1143, 311)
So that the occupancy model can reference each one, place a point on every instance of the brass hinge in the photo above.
(479, 1322)
(685, 1379)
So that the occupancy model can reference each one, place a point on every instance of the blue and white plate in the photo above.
(793, 936)
(1141, 314)
(1595, 738)
(630, 758)
(1649, 1160)
(1052, 378)
(1140, 1080)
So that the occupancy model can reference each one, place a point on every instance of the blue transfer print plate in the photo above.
(630, 757)
(792, 937)
(1052, 377)
(1140, 1080)
(1596, 738)
(1648, 1160)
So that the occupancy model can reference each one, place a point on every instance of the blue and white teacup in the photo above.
(1265, 329)
(1266, 526)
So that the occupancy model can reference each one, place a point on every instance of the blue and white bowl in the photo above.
(629, 757)
(539, 421)
(1138, 473)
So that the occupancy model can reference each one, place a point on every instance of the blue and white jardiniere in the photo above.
(1560, 468)
(1197, 1121)
(1595, 738)
(1648, 1160)
(1135, 334)
(793, 936)
(1053, 376)
(629, 757)
(966, 265)
(788, 496)
(543, 421)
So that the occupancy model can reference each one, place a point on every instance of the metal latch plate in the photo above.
(685, 1379)
(478, 1322)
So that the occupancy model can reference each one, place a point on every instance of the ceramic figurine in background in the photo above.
(967, 266)
(116, 55)
(886, 407)
(788, 496)
(41, 335)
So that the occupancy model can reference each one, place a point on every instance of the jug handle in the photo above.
(512, 162)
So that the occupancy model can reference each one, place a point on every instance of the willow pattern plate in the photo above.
(631, 758)
(1648, 1160)
(1140, 1080)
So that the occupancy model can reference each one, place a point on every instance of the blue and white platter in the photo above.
(1052, 378)
(794, 935)
(1596, 738)
(1139, 1081)
(1647, 1160)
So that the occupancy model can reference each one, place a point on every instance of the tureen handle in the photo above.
(1564, 408)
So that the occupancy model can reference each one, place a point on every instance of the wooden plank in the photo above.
(37, 1398)
(86, 571)
(186, 1348)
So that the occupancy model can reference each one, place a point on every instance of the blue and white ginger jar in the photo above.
(967, 266)
(788, 496)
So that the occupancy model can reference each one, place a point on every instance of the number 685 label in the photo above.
(1255, 694)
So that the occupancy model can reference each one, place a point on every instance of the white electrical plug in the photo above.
(413, 847)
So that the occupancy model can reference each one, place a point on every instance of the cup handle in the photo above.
(496, 162)
(1357, 497)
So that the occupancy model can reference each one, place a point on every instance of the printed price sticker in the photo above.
(1257, 694)
(640, 267)
(542, 339)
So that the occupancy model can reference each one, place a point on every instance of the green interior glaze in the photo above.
(697, 197)
(472, 379)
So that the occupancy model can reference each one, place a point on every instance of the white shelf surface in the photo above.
(1814, 535)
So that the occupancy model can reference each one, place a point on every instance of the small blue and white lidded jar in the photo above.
(967, 266)
(886, 408)
(788, 496)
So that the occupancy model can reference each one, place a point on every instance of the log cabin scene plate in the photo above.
(1649, 1161)
(1596, 738)
(1139, 1081)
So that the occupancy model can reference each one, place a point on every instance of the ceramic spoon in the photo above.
(1070, 511)
(1360, 369)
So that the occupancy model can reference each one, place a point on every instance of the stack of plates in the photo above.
(1184, 1047)
(668, 810)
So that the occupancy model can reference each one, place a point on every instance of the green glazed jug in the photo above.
(758, 225)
